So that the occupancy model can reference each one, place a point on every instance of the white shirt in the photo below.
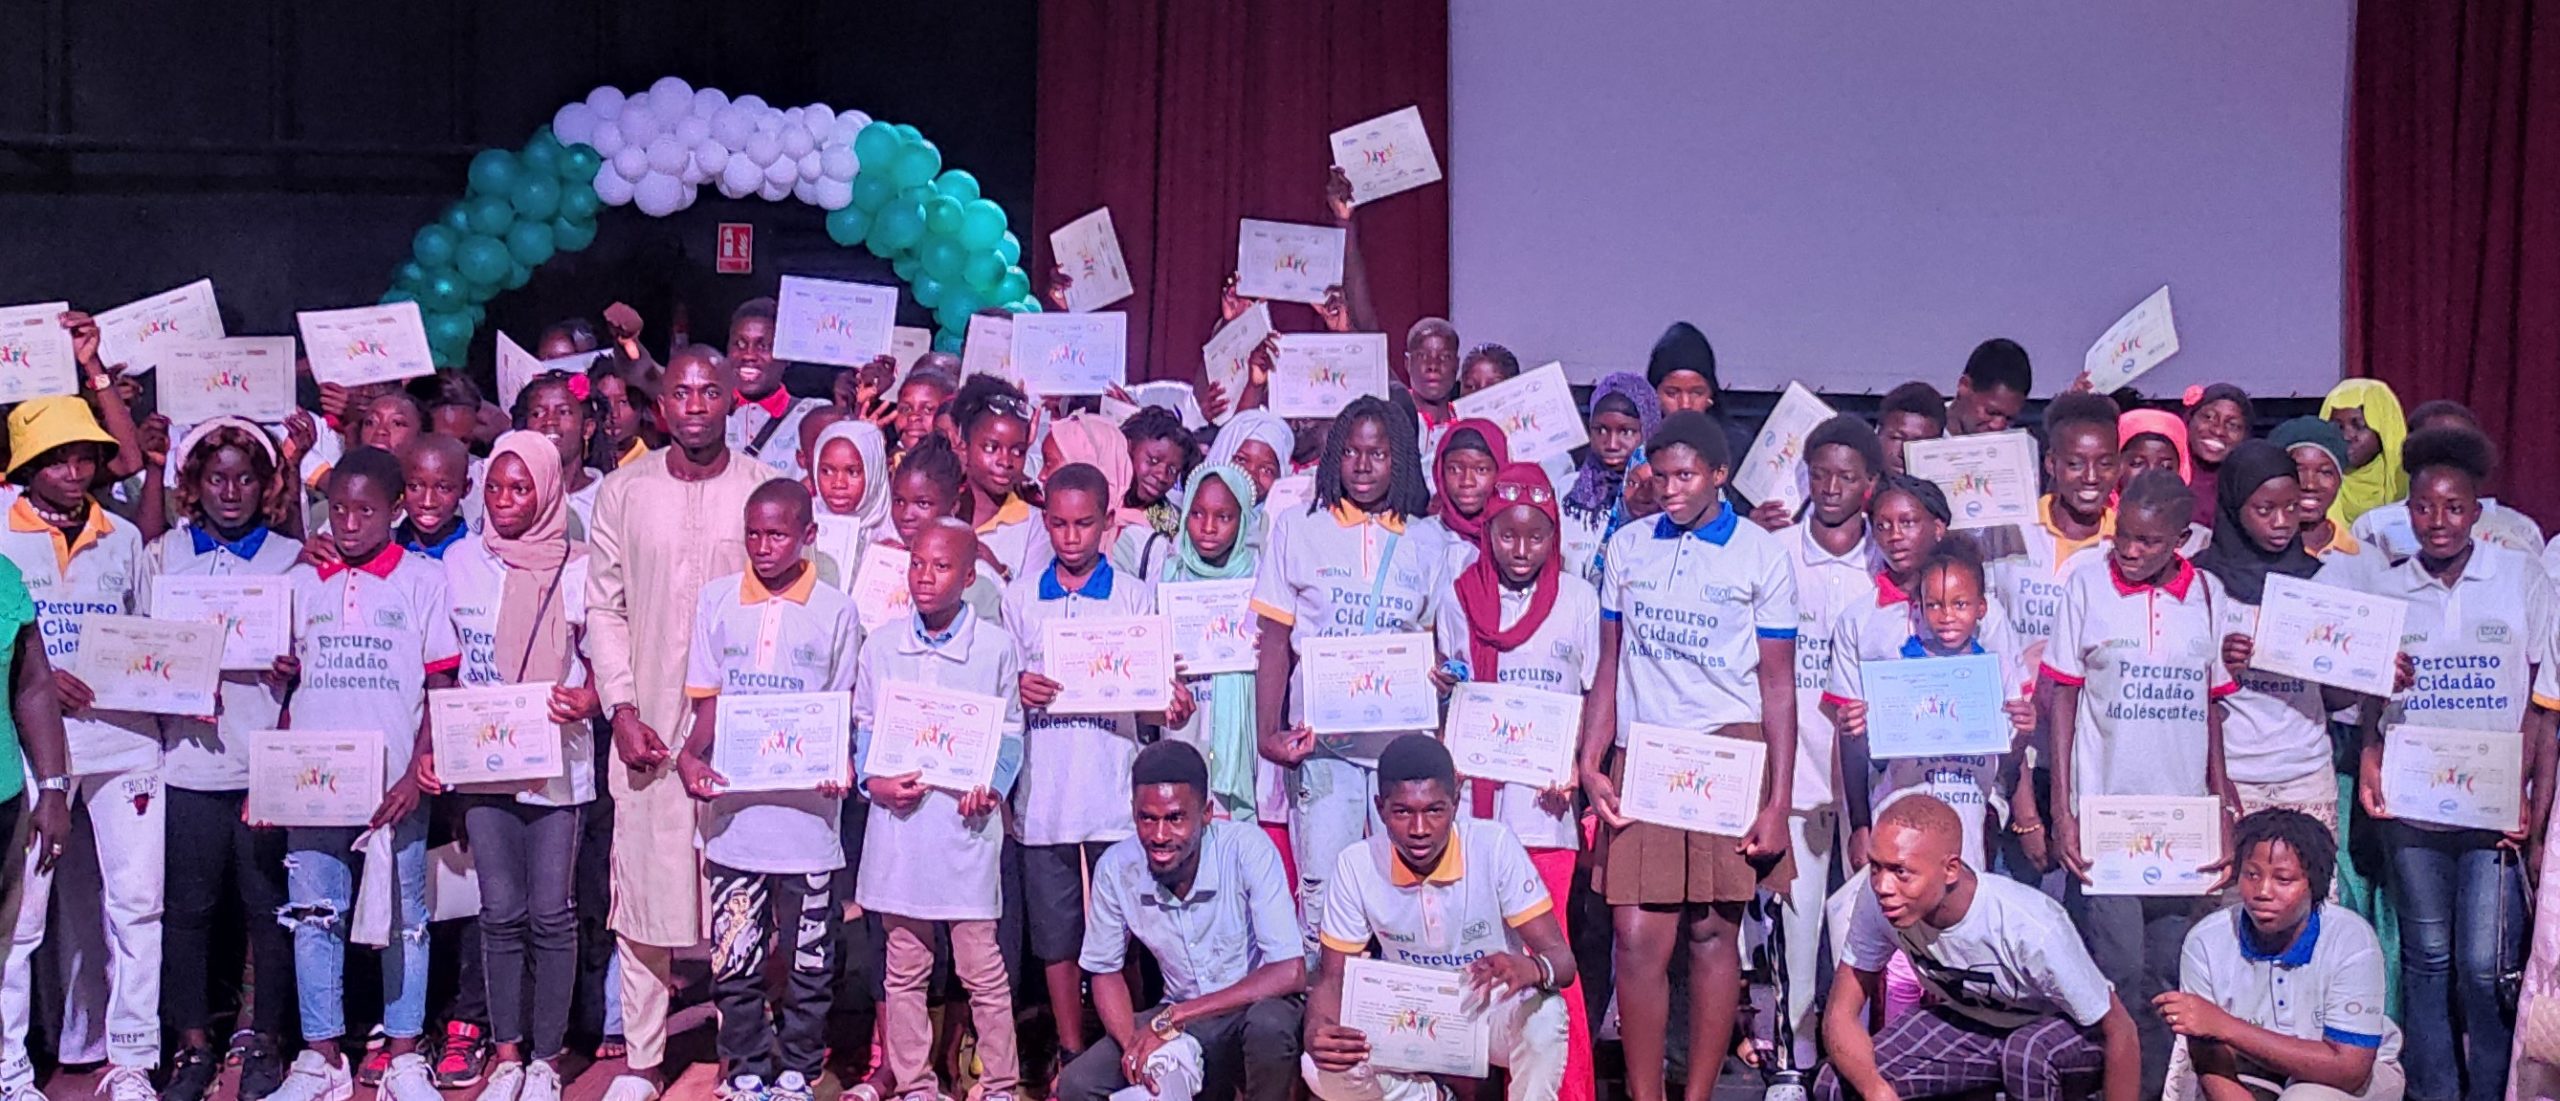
(1562, 655)
(931, 864)
(1075, 768)
(581, 505)
(1694, 607)
(1017, 538)
(214, 756)
(1317, 576)
(90, 573)
(2475, 643)
(369, 635)
(2386, 528)
(1826, 583)
(1969, 783)
(2148, 665)
(2326, 985)
(781, 450)
(2274, 727)
(1470, 906)
(748, 641)
(1238, 916)
(478, 581)
(2030, 584)
(2013, 957)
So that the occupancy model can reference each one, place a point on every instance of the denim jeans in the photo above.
(526, 856)
(1336, 809)
(320, 891)
(2138, 944)
(2449, 887)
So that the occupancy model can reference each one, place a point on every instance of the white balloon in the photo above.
(750, 102)
(669, 108)
(607, 138)
(573, 123)
(740, 177)
(763, 148)
(712, 156)
(708, 101)
(639, 127)
(638, 104)
(691, 131)
(692, 172)
(722, 182)
(791, 116)
(606, 101)
(848, 128)
(774, 192)
(855, 119)
(666, 156)
(658, 195)
(769, 121)
(782, 171)
(671, 88)
(612, 189)
(689, 192)
(832, 193)
(811, 167)
(632, 163)
(838, 162)
(731, 125)
(801, 192)
(818, 117)
(796, 142)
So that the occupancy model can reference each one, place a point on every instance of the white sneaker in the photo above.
(790, 1085)
(745, 1087)
(127, 1084)
(313, 1078)
(541, 1083)
(505, 1083)
(408, 1079)
(625, 1087)
(27, 1092)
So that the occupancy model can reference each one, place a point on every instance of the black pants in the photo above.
(526, 856)
(1254, 1049)
(752, 913)
(595, 905)
(214, 857)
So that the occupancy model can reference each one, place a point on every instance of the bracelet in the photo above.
(1546, 972)
(54, 783)
(2029, 828)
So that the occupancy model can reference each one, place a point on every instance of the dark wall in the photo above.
(288, 149)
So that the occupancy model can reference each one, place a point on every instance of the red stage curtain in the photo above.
(2453, 220)
(1186, 115)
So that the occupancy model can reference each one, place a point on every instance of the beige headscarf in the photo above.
(534, 639)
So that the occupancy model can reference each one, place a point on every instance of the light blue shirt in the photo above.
(1237, 918)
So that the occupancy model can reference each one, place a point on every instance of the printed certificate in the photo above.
(1416, 1019)
(366, 344)
(1287, 261)
(315, 777)
(1774, 470)
(784, 741)
(2150, 844)
(1990, 480)
(238, 376)
(1315, 375)
(827, 321)
(1071, 353)
(515, 368)
(150, 665)
(134, 334)
(1215, 629)
(1703, 783)
(2131, 347)
(907, 345)
(495, 734)
(254, 613)
(1088, 251)
(1227, 359)
(1935, 706)
(950, 738)
(1361, 684)
(1535, 412)
(1386, 155)
(988, 347)
(879, 590)
(1108, 664)
(1512, 734)
(837, 551)
(2329, 635)
(35, 353)
(2472, 779)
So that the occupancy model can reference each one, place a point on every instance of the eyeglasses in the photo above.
(1515, 493)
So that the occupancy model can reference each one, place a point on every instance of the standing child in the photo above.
(771, 857)
(438, 476)
(556, 404)
(848, 464)
(1471, 453)
(1161, 453)
(1624, 411)
(932, 485)
(993, 420)
(1221, 537)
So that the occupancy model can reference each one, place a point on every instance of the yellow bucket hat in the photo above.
(42, 424)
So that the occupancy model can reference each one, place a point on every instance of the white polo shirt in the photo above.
(2387, 529)
(1694, 606)
(581, 506)
(369, 636)
(931, 864)
(1075, 768)
(2474, 641)
(2149, 666)
(214, 756)
(781, 449)
(2326, 985)
(1826, 584)
(1470, 906)
(1346, 572)
(2012, 959)
(1016, 538)
(478, 583)
(1562, 655)
(748, 641)
(91, 572)
(2030, 584)
(2274, 727)
(1969, 783)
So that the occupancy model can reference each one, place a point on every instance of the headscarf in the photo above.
(1252, 424)
(534, 638)
(1092, 439)
(2233, 555)
(1597, 488)
(1232, 708)
(2202, 479)
(872, 448)
(2381, 481)
(2158, 422)
(1466, 528)
(2309, 431)
(1479, 590)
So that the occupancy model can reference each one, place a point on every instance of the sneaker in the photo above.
(316, 1079)
(261, 1066)
(541, 1083)
(506, 1082)
(791, 1086)
(130, 1083)
(377, 1058)
(465, 1058)
(624, 1087)
(745, 1087)
(192, 1072)
(408, 1079)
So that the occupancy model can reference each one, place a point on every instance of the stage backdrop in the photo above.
(1855, 194)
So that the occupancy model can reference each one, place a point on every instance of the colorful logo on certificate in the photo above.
(226, 379)
(1330, 376)
(1414, 1022)
(316, 777)
(155, 327)
(493, 733)
(1506, 731)
(148, 665)
(2151, 845)
(1371, 682)
(1290, 262)
(1935, 708)
(936, 737)
(832, 323)
(1383, 156)
(783, 743)
(12, 355)
(1691, 781)
(1113, 665)
(365, 347)
(2455, 778)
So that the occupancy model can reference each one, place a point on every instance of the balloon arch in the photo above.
(882, 185)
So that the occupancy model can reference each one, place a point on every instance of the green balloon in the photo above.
(927, 289)
(494, 172)
(876, 145)
(434, 245)
(490, 215)
(870, 192)
(578, 202)
(482, 260)
(909, 269)
(907, 132)
(847, 226)
(579, 164)
(981, 224)
(541, 156)
(1010, 248)
(456, 217)
(530, 243)
(1027, 305)
(1014, 284)
(942, 216)
(441, 291)
(536, 197)
(944, 259)
(958, 184)
(957, 305)
(479, 315)
(518, 276)
(900, 226)
(573, 234)
(916, 164)
(949, 341)
(410, 273)
(395, 295)
(448, 327)
(984, 270)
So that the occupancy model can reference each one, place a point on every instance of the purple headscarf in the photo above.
(1595, 492)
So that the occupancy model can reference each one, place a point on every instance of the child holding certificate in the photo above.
(1161, 452)
(1623, 412)
(1471, 453)
(771, 857)
(1697, 633)
(849, 477)
(1516, 618)
(229, 487)
(1221, 537)
(993, 422)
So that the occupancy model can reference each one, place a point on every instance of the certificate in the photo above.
(837, 550)
(1108, 664)
(1227, 359)
(1535, 412)
(254, 613)
(1287, 261)
(879, 589)
(1774, 469)
(494, 734)
(2135, 344)
(2473, 779)
(1704, 783)
(1989, 480)
(1215, 629)
(35, 353)
(784, 741)
(2150, 844)
(366, 344)
(1386, 155)
(1087, 250)
(1935, 707)
(2329, 635)
(157, 666)
(825, 321)
(1315, 375)
(1071, 353)
(516, 367)
(1512, 734)
(907, 345)
(238, 376)
(988, 348)
(134, 334)
(1362, 684)
(950, 739)
(1416, 1019)
(315, 777)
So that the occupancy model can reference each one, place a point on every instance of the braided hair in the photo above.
(1407, 493)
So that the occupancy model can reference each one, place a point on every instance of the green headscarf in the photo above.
(1232, 744)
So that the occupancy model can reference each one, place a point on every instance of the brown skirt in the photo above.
(1643, 864)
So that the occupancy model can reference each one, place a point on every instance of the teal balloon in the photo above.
(916, 164)
(984, 271)
(944, 259)
(494, 172)
(530, 243)
(949, 341)
(1015, 283)
(578, 202)
(942, 216)
(958, 184)
(908, 132)
(1010, 248)
(981, 224)
(572, 234)
(848, 226)
(955, 309)
(870, 192)
(536, 197)
(441, 291)
(434, 244)
(448, 327)
(541, 156)
(490, 215)
(899, 226)
(1027, 305)
(456, 217)
(579, 163)
(875, 146)
(479, 315)
(518, 276)
(410, 273)
(927, 289)
(909, 269)
(482, 260)
(396, 295)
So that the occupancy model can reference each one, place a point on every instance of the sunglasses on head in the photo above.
(1515, 493)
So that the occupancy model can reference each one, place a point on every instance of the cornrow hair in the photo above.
(2158, 490)
(2310, 841)
(1407, 493)
(2070, 409)
(2450, 445)
(933, 459)
(986, 396)
(1957, 554)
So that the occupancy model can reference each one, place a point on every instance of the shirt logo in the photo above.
(390, 619)
(2493, 633)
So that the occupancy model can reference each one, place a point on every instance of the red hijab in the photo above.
(1467, 528)
(1480, 585)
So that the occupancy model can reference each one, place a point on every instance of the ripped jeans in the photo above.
(320, 898)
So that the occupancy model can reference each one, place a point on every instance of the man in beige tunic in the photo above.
(665, 525)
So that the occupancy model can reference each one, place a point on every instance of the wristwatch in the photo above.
(1162, 1024)
(54, 783)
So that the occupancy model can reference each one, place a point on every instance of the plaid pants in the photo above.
(1935, 1052)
